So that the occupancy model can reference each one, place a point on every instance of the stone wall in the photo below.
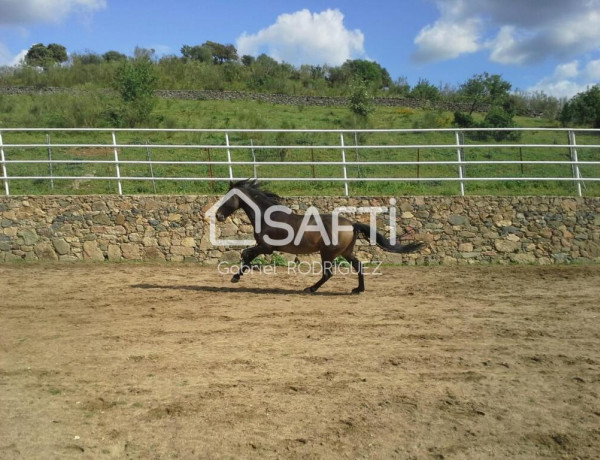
(322, 101)
(458, 230)
(282, 99)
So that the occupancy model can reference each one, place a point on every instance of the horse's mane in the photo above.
(253, 189)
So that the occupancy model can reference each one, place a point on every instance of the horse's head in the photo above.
(231, 205)
(248, 191)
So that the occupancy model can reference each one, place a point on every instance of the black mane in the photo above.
(253, 189)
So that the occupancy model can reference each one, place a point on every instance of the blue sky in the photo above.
(549, 45)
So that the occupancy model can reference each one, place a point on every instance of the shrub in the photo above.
(463, 120)
(499, 118)
(135, 82)
(583, 108)
(360, 102)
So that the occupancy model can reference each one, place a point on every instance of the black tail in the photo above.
(383, 243)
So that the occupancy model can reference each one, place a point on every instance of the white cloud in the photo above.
(514, 31)
(18, 59)
(503, 47)
(568, 70)
(23, 12)
(592, 71)
(572, 35)
(5, 55)
(446, 40)
(567, 80)
(305, 38)
(559, 89)
(19, 13)
(8, 59)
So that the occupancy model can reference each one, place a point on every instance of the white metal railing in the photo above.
(10, 150)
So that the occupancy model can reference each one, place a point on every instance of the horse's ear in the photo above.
(254, 182)
(230, 184)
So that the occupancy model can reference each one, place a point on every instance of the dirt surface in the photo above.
(165, 361)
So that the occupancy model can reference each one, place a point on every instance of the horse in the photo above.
(275, 225)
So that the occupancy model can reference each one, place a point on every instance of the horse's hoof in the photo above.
(309, 290)
(357, 291)
(235, 279)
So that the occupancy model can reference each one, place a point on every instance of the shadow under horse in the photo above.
(276, 227)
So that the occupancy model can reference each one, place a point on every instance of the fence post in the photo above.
(210, 171)
(254, 159)
(344, 161)
(117, 168)
(149, 155)
(50, 161)
(573, 149)
(356, 148)
(521, 158)
(4, 174)
(229, 156)
(460, 165)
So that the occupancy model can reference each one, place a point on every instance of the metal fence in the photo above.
(461, 156)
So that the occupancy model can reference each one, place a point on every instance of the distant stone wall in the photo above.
(458, 230)
(283, 99)
(323, 101)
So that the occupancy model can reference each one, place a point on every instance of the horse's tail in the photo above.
(383, 243)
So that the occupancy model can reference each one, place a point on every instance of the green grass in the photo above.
(84, 109)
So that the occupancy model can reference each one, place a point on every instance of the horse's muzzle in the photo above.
(221, 217)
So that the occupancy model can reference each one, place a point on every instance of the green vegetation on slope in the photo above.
(86, 109)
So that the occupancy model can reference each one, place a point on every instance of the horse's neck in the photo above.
(249, 210)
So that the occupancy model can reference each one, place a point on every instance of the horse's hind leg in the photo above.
(327, 266)
(357, 265)
(248, 255)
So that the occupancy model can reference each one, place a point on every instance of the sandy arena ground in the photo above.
(173, 361)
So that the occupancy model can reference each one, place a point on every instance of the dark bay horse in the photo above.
(276, 225)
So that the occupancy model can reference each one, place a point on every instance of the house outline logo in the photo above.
(212, 215)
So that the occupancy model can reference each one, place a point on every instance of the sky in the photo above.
(537, 45)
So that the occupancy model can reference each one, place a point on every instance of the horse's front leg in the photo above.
(327, 267)
(248, 255)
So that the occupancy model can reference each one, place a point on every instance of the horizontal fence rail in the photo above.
(36, 156)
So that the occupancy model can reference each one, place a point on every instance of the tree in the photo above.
(498, 89)
(583, 108)
(221, 53)
(400, 87)
(58, 52)
(337, 76)
(46, 56)
(491, 91)
(473, 90)
(143, 53)
(86, 58)
(368, 71)
(248, 60)
(196, 53)
(425, 91)
(538, 103)
(485, 89)
(135, 81)
(114, 56)
(360, 102)
(38, 56)
(497, 117)
(211, 51)
(268, 74)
